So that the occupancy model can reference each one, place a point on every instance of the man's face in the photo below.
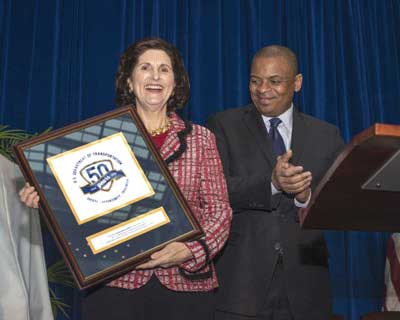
(272, 85)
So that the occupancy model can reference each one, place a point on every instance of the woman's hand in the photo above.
(173, 254)
(29, 196)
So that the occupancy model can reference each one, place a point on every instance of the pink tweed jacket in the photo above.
(198, 173)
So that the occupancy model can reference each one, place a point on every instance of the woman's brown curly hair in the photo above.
(128, 62)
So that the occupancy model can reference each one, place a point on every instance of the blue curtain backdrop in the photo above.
(58, 60)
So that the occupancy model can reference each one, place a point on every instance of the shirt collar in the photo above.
(286, 118)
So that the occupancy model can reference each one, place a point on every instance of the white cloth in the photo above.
(24, 292)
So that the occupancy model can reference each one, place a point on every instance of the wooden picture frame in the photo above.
(106, 195)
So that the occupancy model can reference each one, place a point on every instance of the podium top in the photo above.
(361, 190)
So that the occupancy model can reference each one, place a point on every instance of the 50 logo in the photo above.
(99, 175)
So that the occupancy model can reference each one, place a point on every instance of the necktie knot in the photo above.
(275, 122)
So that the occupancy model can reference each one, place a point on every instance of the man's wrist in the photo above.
(274, 190)
(304, 201)
(274, 184)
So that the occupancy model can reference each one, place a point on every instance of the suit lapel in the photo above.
(252, 119)
(299, 137)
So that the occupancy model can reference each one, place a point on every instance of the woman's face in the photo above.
(152, 80)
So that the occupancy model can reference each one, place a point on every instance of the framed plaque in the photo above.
(106, 195)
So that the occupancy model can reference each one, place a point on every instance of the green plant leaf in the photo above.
(58, 273)
(9, 137)
(57, 305)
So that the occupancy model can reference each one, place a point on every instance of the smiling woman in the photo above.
(178, 281)
(152, 82)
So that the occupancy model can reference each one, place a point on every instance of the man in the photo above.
(270, 268)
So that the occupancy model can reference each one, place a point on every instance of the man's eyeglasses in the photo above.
(271, 81)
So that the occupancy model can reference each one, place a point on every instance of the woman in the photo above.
(178, 281)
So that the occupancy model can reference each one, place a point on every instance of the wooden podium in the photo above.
(361, 190)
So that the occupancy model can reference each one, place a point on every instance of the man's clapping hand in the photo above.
(291, 179)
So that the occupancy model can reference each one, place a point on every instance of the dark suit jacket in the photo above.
(263, 224)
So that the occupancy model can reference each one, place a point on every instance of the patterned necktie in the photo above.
(277, 140)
